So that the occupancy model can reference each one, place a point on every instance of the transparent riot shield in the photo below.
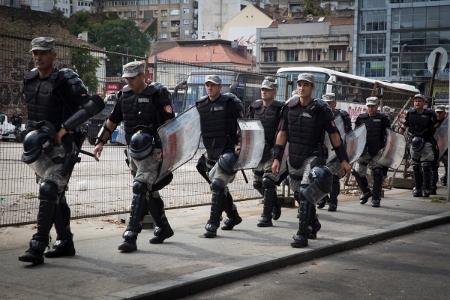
(179, 138)
(252, 144)
(355, 142)
(442, 137)
(394, 150)
(340, 126)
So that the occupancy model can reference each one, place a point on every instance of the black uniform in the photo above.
(376, 134)
(422, 150)
(263, 177)
(146, 111)
(310, 179)
(218, 121)
(60, 100)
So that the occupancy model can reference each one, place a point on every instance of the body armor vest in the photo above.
(41, 103)
(269, 117)
(139, 110)
(420, 124)
(376, 131)
(306, 131)
(217, 124)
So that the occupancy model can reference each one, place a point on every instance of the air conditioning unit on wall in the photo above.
(349, 49)
(324, 50)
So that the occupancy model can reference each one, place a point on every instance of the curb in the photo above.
(190, 284)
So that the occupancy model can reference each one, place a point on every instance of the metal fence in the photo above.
(105, 187)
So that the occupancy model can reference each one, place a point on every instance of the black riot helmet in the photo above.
(141, 145)
(38, 141)
(417, 143)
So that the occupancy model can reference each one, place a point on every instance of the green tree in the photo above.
(80, 21)
(118, 35)
(86, 66)
(59, 15)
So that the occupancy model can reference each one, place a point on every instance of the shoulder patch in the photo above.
(168, 109)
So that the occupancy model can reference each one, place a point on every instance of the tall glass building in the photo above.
(394, 38)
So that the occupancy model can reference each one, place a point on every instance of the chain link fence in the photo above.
(105, 187)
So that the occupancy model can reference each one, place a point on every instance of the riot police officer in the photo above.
(143, 108)
(334, 165)
(57, 104)
(303, 123)
(376, 124)
(440, 116)
(218, 121)
(422, 124)
(268, 111)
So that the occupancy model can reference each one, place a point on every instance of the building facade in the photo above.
(315, 41)
(394, 39)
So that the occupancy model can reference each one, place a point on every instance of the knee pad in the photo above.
(378, 172)
(139, 187)
(257, 185)
(321, 180)
(268, 183)
(426, 166)
(48, 190)
(227, 161)
(217, 184)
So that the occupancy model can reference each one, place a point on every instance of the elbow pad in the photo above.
(92, 107)
(341, 153)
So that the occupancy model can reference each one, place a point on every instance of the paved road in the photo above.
(413, 266)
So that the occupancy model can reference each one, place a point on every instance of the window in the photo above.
(175, 23)
(395, 66)
(164, 13)
(291, 55)
(338, 53)
(372, 44)
(373, 3)
(186, 22)
(372, 67)
(373, 21)
(174, 1)
(314, 54)
(270, 55)
(133, 14)
(175, 34)
(187, 32)
(164, 2)
(185, 10)
(163, 24)
(186, 1)
(155, 12)
(174, 12)
(164, 35)
(153, 2)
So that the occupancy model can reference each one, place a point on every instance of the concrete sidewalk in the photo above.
(187, 263)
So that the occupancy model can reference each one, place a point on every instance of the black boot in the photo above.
(233, 217)
(215, 214)
(321, 203)
(64, 245)
(266, 217)
(417, 191)
(48, 192)
(315, 225)
(134, 227)
(278, 203)
(377, 186)
(335, 190)
(301, 238)
(434, 180)
(426, 170)
(162, 229)
(364, 186)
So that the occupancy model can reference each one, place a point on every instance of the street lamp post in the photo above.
(126, 48)
(400, 63)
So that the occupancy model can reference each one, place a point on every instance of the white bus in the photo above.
(351, 91)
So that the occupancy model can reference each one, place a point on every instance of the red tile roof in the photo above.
(200, 54)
